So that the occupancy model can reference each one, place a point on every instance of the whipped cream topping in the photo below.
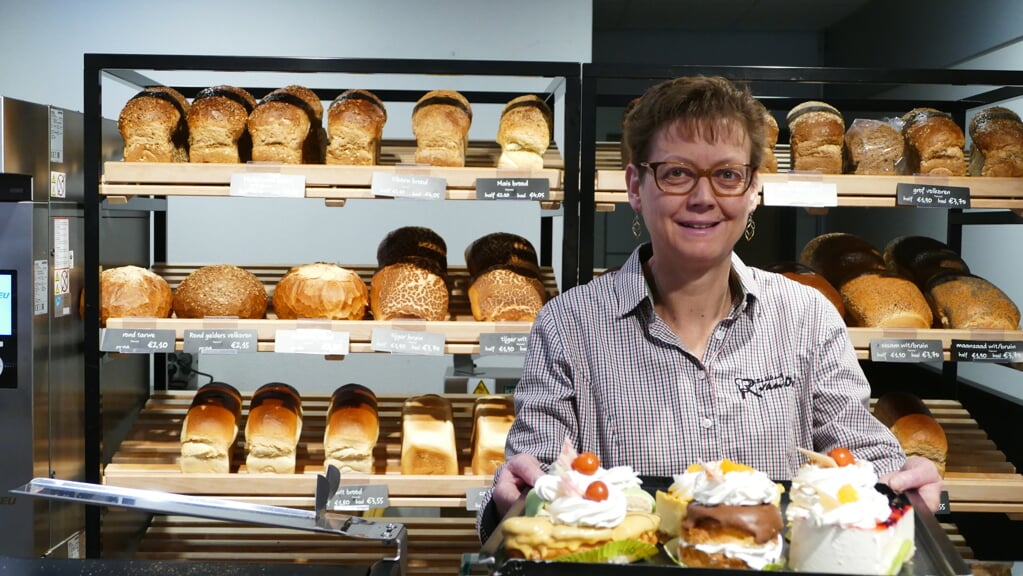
(815, 496)
(566, 504)
(733, 488)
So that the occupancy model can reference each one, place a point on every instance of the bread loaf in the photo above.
(505, 282)
(440, 122)
(287, 127)
(997, 135)
(816, 133)
(840, 257)
(405, 290)
(130, 291)
(917, 431)
(920, 258)
(934, 143)
(320, 290)
(353, 427)
(153, 126)
(209, 429)
(273, 429)
(492, 418)
(414, 245)
(501, 250)
(524, 133)
(220, 290)
(428, 436)
(884, 300)
(961, 300)
(217, 125)
(872, 147)
(809, 277)
(770, 162)
(355, 127)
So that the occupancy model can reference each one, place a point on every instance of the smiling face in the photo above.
(698, 230)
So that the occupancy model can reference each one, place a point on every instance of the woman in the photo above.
(685, 353)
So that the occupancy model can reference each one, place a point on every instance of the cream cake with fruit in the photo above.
(733, 519)
(841, 523)
(583, 512)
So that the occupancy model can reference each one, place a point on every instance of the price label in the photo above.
(513, 189)
(944, 507)
(499, 344)
(474, 498)
(986, 351)
(220, 341)
(412, 186)
(359, 498)
(799, 193)
(137, 341)
(931, 196)
(407, 342)
(267, 185)
(311, 341)
(905, 350)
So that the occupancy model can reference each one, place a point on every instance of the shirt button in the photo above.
(706, 423)
(720, 333)
(701, 375)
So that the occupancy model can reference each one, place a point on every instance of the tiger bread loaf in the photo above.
(217, 125)
(934, 143)
(841, 256)
(353, 427)
(154, 127)
(287, 127)
(524, 133)
(911, 422)
(220, 290)
(872, 147)
(273, 428)
(131, 291)
(440, 123)
(920, 258)
(809, 277)
(997, 135)
(428, 436)
(962, 300)
(884, 299)
(816, 134)
(209, 429)
(504, 275)
(492, 418)
(320, 290)
(411, 276)
(355, 127)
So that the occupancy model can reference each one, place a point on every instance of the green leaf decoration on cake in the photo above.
(533, 504)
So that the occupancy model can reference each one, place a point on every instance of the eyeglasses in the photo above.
(681, 178)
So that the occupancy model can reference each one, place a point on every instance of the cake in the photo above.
(733, 520)
(841, 523)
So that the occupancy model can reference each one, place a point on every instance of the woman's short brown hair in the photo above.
(701, 102)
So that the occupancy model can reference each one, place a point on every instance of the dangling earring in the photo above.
(751, 228)
(637, 226)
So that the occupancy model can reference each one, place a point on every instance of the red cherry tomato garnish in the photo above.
(596, 491)
(842, 456)
(586, 463)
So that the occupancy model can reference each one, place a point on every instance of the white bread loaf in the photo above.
(492, 418)
(209, 429)
(524, 133)
(130, 291)
(273, 428)
(355, 127)
(320, 290)
(153, 126)
(440, 122)
(220, 290)
(428, 436)
(917, 431)
(353, 428)
(217, 125)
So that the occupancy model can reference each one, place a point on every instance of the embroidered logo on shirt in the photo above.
(758, 386)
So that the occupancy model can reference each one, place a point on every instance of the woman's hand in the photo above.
(919, 473)
(515, 479)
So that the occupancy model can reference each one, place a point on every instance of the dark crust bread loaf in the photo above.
(355, 128)
(524, 132)
(154, 127)
(440, 123)
(287, 127)
(920, 258)
(505, 281)
(414, 245)
(273, 428)
(816, 134)
(997, 135)
(127, 291)
(220, 290)
(320, 290)
(885, 300)
(969, 301)
(353, 428)
(913, 425)
(217, 125)
(934, 143)
(807, 276)
(872, 147)
(209, 429)
(840, 257)
(501, 250)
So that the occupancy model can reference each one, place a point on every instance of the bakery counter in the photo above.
(229, 567)
(333, 183)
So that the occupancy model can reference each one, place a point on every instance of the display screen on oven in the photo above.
(6, 303)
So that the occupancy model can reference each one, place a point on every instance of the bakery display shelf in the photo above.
(861, 337)
(148, 456)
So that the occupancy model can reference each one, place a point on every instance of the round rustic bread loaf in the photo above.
(968, 301)
(320, 290)
(840, 257)
(220, 290)
(920, 258)
(404, 290)
(885, 300)
(808, 276)
(127, 291)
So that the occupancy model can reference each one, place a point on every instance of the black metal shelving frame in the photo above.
(127, 67)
